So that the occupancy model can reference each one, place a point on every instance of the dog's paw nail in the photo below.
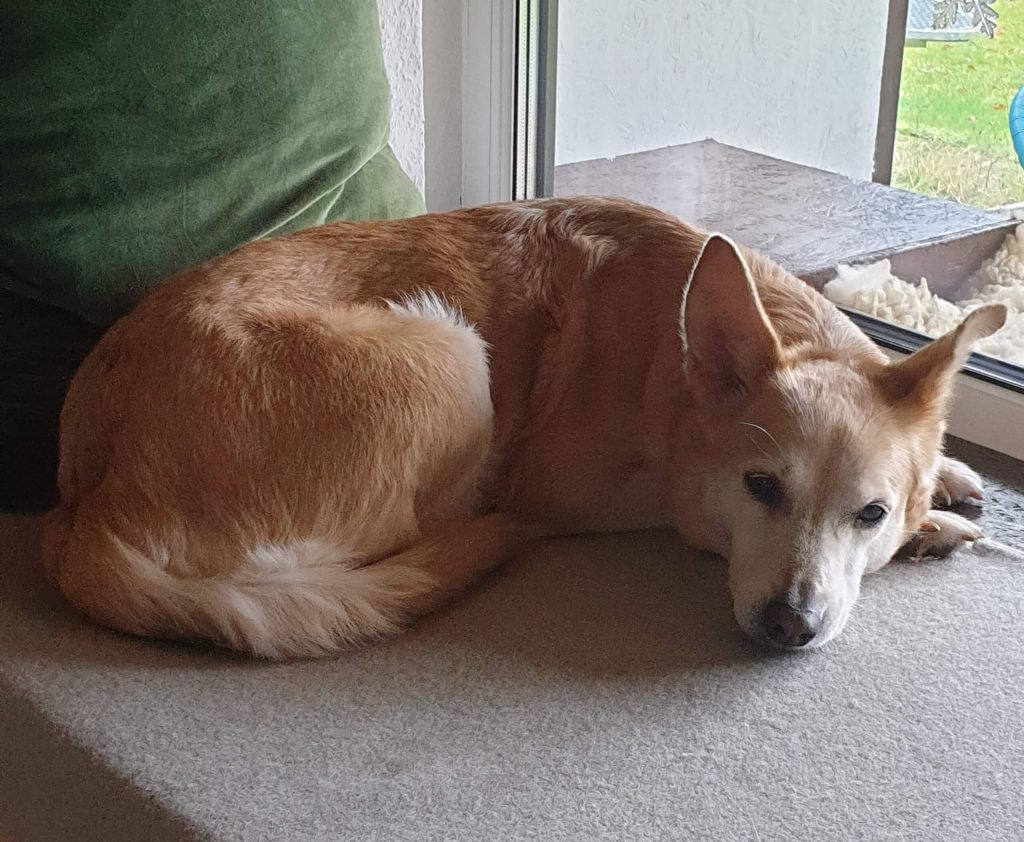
(940, 535)
(956, 483)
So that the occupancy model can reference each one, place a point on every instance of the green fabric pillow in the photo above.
(140, 138)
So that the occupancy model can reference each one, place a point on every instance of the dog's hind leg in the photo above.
(457, 553)
(342, 501)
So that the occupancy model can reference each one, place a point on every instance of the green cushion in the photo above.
(140, 138)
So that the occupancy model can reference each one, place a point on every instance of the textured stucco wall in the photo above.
(797, 79)
(400, 23)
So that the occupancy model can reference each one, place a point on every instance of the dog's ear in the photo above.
(924, 380)
(729, 344)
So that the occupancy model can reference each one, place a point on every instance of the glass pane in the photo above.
(789, 91)
(954, 140)
(958, 80)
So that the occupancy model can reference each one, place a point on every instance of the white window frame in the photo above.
(991, 416)
(469, 100)
(488, 101)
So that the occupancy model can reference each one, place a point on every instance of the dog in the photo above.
(314, 439)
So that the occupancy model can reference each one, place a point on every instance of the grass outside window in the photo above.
(952, 139)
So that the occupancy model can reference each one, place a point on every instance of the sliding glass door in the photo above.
(776, 123)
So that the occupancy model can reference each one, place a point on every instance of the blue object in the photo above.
(1017, 124)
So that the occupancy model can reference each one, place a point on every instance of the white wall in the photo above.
(400, 23)
(796, 79)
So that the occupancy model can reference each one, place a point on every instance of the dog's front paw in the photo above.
(955, 483)
(939, 535)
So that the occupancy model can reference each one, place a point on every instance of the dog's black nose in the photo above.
(790, 626)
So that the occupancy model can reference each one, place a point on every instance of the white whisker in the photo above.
(771, 438)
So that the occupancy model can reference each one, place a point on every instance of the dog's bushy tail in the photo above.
(302, 600)
(299, 600)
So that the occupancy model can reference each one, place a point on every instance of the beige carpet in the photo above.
(594, 690)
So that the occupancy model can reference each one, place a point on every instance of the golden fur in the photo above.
(309, 441)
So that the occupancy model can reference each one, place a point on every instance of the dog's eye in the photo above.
(871, 515)
(764, 488)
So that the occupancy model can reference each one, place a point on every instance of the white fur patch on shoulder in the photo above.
(528, 213)
(428, 306)
(597, 248)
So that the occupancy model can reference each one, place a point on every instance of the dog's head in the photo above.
(815, 463)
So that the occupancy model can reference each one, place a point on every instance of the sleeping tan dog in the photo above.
(308, 442)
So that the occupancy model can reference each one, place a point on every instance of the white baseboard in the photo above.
(985, 414)
(988, 415)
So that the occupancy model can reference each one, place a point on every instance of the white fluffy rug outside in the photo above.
(873, 289)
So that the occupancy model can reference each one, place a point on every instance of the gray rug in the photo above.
(1003, 516)
(593, 690)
